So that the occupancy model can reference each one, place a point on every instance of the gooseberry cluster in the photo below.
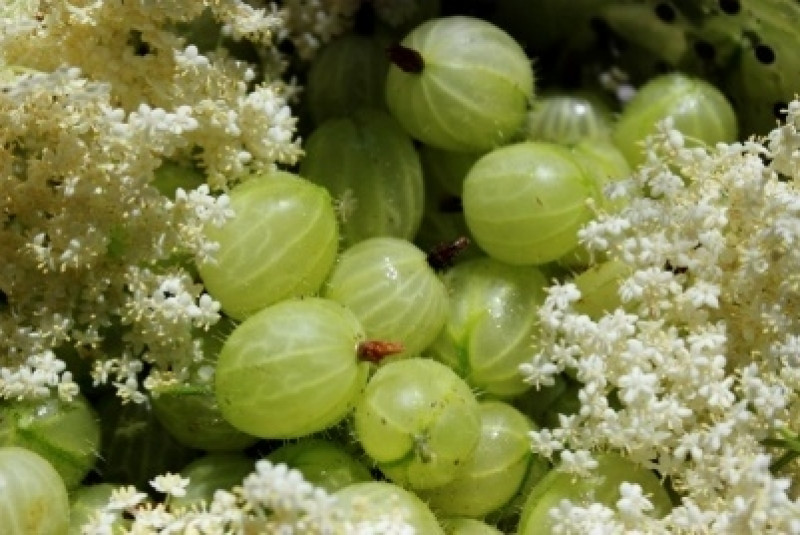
(379, 298)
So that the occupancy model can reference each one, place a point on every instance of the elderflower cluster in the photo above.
(96, 99)
(160, 78)
(272, 499)
(309, 24)
(695, 373)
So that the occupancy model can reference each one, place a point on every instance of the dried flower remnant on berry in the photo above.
(443, 255)
(377, 350)
(407, 59)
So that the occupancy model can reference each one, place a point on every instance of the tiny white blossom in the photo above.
(632, 503)
(125, 498)
(579, 462)
(172, 484)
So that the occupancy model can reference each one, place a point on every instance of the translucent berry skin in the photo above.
(86, 502)
(349, 73)
(496, 470)
(291, 369)
(323, 463)
(376, 500)
(605, 164)
(192, 416)
(567, 119)
(473, 90)
(393, 292)
(210, 473)
(33, 498)
(699, 111)
(66, 434)
(443, 216)
(418, 421)
(613, 469)
(492, 324)
(467, 526)
(368, 161)
(599, 287)
(525, 203)
(281, 244)
(135, 447)
(446, 170)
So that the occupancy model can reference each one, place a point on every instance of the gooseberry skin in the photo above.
(492, 324)
(191, 415)
(323, 463)
(418, 421)
(366, 159)
(280, 244)
(34, 498)
(291, 369)
(599, 287)
(567, 120)
(392, 290)
(349, 73)
(387, 501)
(467, 526)
(494, 473)
(66, 434)
(524, 203)
(473, 90)
(446, 170)
(604, 163)
(443, 215)
(134, 446)
(86, 502)
(698, 110)
(209, 473)
(612, 470)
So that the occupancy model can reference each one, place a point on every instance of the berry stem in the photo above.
(407, 59)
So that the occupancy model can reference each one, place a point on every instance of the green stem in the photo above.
(783, 460)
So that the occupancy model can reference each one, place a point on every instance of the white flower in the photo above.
(702, 357)
(595, 519)
(579, 462)
(100, 523)
(561, 296)
(637, 387)
(190, 56)
(125, 498)
(632, 503)
(172, 484)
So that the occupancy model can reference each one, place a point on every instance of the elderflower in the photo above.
(309, 24)
(272, 499)
(172, 484)
(95, 98)
(701, 357)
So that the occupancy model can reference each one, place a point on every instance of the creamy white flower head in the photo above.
(273, 499)
(697, 357)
